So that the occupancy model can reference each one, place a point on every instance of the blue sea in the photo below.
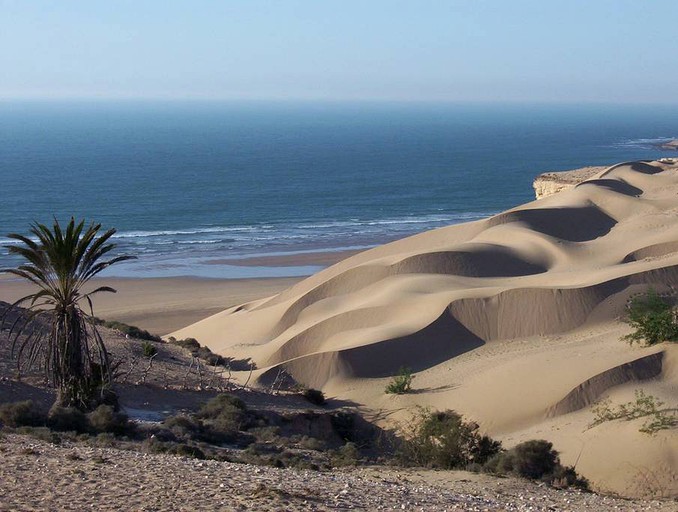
(187, 184)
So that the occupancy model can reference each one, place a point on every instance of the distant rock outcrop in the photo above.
(669, 144)
(551, 183)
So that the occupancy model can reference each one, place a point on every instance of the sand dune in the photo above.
(512, 320)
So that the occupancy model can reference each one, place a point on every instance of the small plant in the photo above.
(21, 414)
(315, 396)
(224, 415)
(187, 450)
(182, 427)
(401, 383)
(42, 433)
(67, 419)
(188, 343)
(105, 419)
(652, 318)
(347, 455)
(148, 349)
(644, 406)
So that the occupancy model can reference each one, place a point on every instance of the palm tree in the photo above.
(56, 333)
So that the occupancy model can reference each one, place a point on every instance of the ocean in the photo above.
(188, 184)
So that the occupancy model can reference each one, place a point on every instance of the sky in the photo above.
(566, 51)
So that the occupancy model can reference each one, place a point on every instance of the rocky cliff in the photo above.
(551, 183)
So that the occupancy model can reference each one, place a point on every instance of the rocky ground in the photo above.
(36, 475)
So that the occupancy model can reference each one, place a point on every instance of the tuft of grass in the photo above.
(105, 419)
(401, 383)
(149, 349)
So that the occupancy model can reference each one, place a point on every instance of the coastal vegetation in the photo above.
(205, 354)
(657, 416)
(444, 440)
(56, 332)
(653, 319)
(224, 428)
(128, 330)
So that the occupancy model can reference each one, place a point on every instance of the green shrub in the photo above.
(531, 459)
(566, 476)
(650, 407)
(401, 383)
(188, 343)
(179, 449)
(186, 450)
(148, 349)
(105, 419)
(204, 353)
(311, 443)
(444, 440)
(42, 433)
(129, 330)
(225, 416)
(184, 427)
(536, 460)
(347, 455)
(209, 357)
(652, 318)
(67, 419)
(20, 414)
(315, 396)
(222, 404)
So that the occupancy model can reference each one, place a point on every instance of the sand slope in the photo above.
(512, 320)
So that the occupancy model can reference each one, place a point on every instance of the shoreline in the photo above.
(165, 304)
(162, 305)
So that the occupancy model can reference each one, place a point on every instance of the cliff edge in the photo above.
(552, 182)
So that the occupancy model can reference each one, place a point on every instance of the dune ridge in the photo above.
(542, 254)
(553, 275)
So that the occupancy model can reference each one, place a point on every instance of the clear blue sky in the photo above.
(455, 50)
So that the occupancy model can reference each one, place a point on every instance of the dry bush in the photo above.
(22, 414)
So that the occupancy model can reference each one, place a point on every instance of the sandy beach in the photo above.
(163, 305)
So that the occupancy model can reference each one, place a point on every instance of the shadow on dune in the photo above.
(443, 339)
(651, 251)
(572, 224)
(645, 168)
(618, 186)
(640, 166)
(479, 261)
(591, 389)
(439, 389)
(464, 325)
